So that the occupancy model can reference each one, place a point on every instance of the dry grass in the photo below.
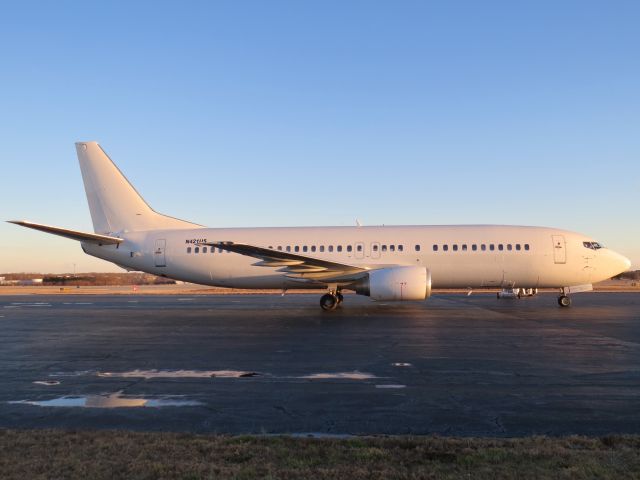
(39, 454)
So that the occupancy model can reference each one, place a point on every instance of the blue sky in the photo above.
(277, 113)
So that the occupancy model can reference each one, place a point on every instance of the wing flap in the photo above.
(94, 238)
(295, 266)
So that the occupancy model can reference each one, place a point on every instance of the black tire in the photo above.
(564, 301)
(328, 302)
(340, 298)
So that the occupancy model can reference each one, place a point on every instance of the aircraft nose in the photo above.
(621, 262)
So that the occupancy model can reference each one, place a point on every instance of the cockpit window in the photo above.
(593, 245)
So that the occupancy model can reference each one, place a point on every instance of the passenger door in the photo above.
(559, 249)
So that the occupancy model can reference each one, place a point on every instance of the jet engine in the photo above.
(396, 283)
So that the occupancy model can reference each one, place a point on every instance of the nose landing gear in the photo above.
(564, 301)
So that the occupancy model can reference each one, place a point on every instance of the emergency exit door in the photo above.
(159, 254)
(559, 249)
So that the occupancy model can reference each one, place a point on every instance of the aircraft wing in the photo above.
(295, 266)
(95, 238)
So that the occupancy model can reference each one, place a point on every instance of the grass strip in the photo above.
(44, 454)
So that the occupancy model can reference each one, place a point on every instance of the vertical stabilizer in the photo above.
(114, 204)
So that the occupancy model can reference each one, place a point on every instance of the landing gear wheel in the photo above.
(564, 301)
(328, 302)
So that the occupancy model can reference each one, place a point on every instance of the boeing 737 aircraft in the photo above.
(385, 263)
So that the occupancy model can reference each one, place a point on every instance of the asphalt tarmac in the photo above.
(453, 365)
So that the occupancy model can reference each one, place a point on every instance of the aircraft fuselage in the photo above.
(457, 256)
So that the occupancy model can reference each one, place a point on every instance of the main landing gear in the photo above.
(330, 301)
(564, 301)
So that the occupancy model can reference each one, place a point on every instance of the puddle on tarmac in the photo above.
(48, 383)
(391, 386)
(115, 400)
(80, 373)
(151, 374)
(355, 375)
(401, 364)
(148, 374)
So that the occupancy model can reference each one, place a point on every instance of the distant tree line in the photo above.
(92, 279)
(632, 275)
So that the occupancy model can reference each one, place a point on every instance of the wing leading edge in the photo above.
(294, 266)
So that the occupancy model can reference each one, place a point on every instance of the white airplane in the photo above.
(385, 263)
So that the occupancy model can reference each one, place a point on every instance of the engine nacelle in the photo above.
(396, 283)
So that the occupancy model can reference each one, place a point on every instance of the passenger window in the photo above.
(455, 248)
(288, 248)
(322, 248)
(219, 250)
(331, 248)
(392, 248)
(384, 248)
(339, 248)
(270, 247)
(483, 247)
(464, 247)
(517, 246)
(304, 248)
(204, 249)
(400, 248)
(417, 248)
(280, 247)
(526, 246)
(359, 248)
(313, 248)
(374, 247)
(474, 247)
(435, 248)
(445, 247)
(296, 248)
(500, 247)
(349, 248)
(188, 249)
(492, 247)
(196, 250)
(509, 247)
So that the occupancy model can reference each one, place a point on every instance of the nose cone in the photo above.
(620, 263)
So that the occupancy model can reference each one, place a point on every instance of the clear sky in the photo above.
(276, 113)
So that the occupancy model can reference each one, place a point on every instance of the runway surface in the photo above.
(453, 365)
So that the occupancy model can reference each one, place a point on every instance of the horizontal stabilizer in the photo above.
(72, 234)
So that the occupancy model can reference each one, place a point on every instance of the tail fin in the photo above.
(114, 204)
